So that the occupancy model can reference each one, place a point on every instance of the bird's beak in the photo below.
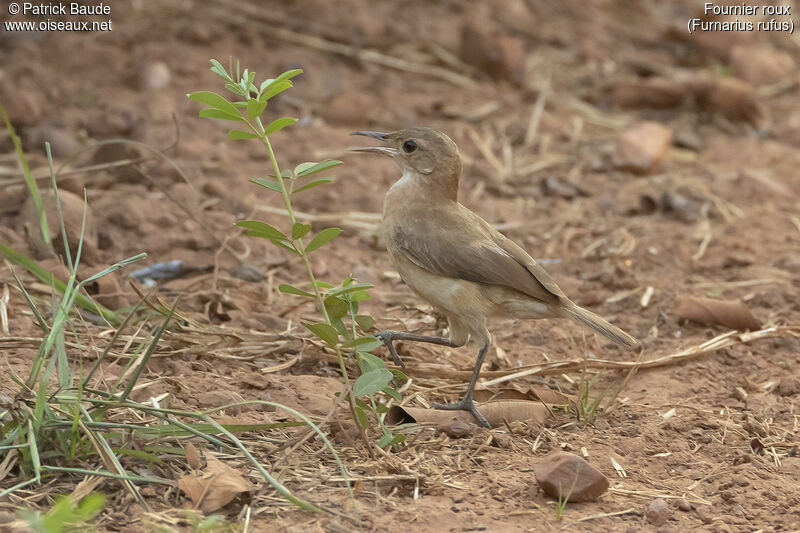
(379, 149)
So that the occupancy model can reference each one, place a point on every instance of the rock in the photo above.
(684, 505)
(109, 153)
(789, 386)
(735, 99)
(761, 65)
(24, 101)
(565, 475)
(500, 56)
(63, 142)
(643, 148)
(154, 76)
(108, 292)
(246, 272)
(72, 210)
(657, 512)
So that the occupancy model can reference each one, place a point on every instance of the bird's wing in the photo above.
(459, 244)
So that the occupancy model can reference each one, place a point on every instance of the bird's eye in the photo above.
(409, 146)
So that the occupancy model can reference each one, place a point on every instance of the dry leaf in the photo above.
(495, 413)
(214, 488)
(734, 315)
(192, 457)
(460, 424)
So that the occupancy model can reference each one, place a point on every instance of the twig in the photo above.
(719, 342)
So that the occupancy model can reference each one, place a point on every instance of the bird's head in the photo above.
(424, 152)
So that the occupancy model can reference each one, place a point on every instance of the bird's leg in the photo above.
(466, 403)
(389, 336)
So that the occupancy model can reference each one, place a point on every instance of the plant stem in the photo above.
(300, 247)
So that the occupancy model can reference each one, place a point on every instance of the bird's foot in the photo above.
(465, 404)
(387, 337)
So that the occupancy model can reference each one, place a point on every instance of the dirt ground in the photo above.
(537, 96)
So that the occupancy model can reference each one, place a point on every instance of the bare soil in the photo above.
(715, 435)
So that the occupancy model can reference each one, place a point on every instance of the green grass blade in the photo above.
(105, 473)
(48, 278)
(33, 187)
(147, 354)
(34, 449)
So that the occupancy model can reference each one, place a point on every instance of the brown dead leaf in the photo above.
(460, 424)
(495, 413)
(192, 457)
(709, 312)
(214, 488)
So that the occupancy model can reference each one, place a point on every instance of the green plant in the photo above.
(341, 328)
(587, 407)
(59, 418)
(66, 514)
(33, 187)
(561, 504)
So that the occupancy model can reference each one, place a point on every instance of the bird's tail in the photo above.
(601, 326)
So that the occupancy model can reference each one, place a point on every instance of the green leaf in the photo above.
(284, 287)
(321, 238)
(397, 439)
(289, 74)
(360, 342)
(399, 374)
(324, 331)
(219, 70)
(381, 408)
(255, 108)
(362, 404)
(372, 382)
(269, 184)
(314, 183)
(299, 229)
(283, 244)
(385, 440)
(362, 417)
(237, 135)
(393, 393)
(335, 306)
(324, 285)
(351, 288)
(265, 84)
(216, 113)
(360, 296)
(340, 327)
(368, 362)
(273, 89)
(214, 100)
(234, 88)
(369, 346)
(263, 228)
(306, 169)
(365, 322)
(278, 124)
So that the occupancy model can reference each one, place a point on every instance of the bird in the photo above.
(456, 260)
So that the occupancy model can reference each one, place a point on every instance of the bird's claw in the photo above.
(465, 404)
(387, 337)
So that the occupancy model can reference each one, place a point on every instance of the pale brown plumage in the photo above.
(455, 260)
